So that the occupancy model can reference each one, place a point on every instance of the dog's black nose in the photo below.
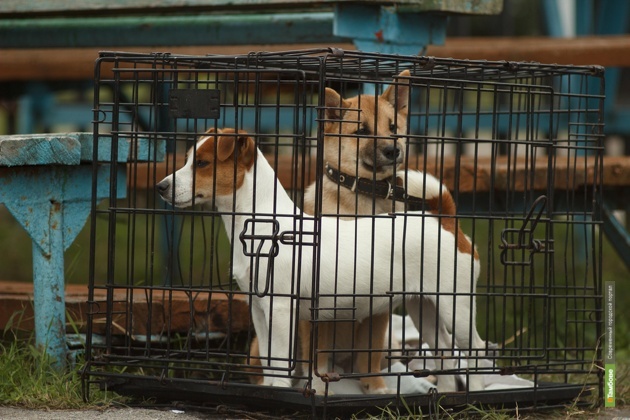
(391, 152)
(163, 186)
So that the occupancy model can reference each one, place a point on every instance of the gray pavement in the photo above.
(108, 414)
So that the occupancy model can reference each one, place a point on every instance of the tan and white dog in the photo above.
(413, 255)
(364, 148)
(363, 141)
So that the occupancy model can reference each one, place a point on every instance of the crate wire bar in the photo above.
(518, 145)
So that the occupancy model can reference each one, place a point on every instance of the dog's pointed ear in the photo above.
(211, 130)
(397, 94)
(246, 149)
(334, 104)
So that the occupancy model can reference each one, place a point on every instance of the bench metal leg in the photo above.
(616, 234)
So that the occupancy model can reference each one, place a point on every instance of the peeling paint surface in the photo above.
(49, 192)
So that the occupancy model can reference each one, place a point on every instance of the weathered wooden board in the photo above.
(37, 149)
(604, 50)
(481, 175)
(78, 63)
(137, 314)
(69, 6)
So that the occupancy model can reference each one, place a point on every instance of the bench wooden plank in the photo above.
(604, 50)
(202, 29)
(474, 176)
(73, 149)
(37, 149)
(144, 6)
(78, 63)
(70, 64)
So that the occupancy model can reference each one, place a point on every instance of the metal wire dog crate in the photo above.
(518, 145)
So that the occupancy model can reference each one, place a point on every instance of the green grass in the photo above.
(588, 410)
(30, 380)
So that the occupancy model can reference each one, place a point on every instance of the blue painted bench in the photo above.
(46, 183)
(46, 178)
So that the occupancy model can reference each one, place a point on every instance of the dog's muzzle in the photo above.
(382, 158)
(164, 189)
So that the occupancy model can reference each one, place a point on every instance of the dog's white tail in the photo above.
(426, 186)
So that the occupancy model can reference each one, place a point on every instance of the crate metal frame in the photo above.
(537, 127)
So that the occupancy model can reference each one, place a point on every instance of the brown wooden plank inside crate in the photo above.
(135, 312)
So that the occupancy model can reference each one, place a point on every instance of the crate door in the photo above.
(166, 274)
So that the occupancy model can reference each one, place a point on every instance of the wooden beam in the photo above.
(478, 175)
(154, 311)
(72, 64)
(66, 7)
(202, 29)
(609, 51)
(69, 64)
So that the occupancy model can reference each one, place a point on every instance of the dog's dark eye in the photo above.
(392, 127)
(362, 131)
(202, 163)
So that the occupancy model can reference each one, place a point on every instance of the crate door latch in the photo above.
(522, 239)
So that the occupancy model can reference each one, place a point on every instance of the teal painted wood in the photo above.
(148, 150)
(72, 149)
(65, 6)
(104, 149)
(122, 31)
(386, 30)
(36, 149)
(25, 190)
(49, 302)
(52, 204)
(145, 150)
(49, 192)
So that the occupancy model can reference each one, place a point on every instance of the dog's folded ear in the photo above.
(334, 104)
(397, 94)
(225, 147)
(240, 143)
(246, 148)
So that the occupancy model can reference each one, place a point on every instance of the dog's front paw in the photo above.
(446, 383)
(382, 391)
(319, 387)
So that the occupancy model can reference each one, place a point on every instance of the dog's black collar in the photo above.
(384, 188)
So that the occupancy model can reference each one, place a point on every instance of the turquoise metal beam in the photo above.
(381, 29)
(123, 31)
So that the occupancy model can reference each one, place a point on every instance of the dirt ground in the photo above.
(108, 414)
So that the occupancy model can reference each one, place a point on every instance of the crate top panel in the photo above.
(333, 62)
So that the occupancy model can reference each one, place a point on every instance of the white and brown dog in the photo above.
(415, 255)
